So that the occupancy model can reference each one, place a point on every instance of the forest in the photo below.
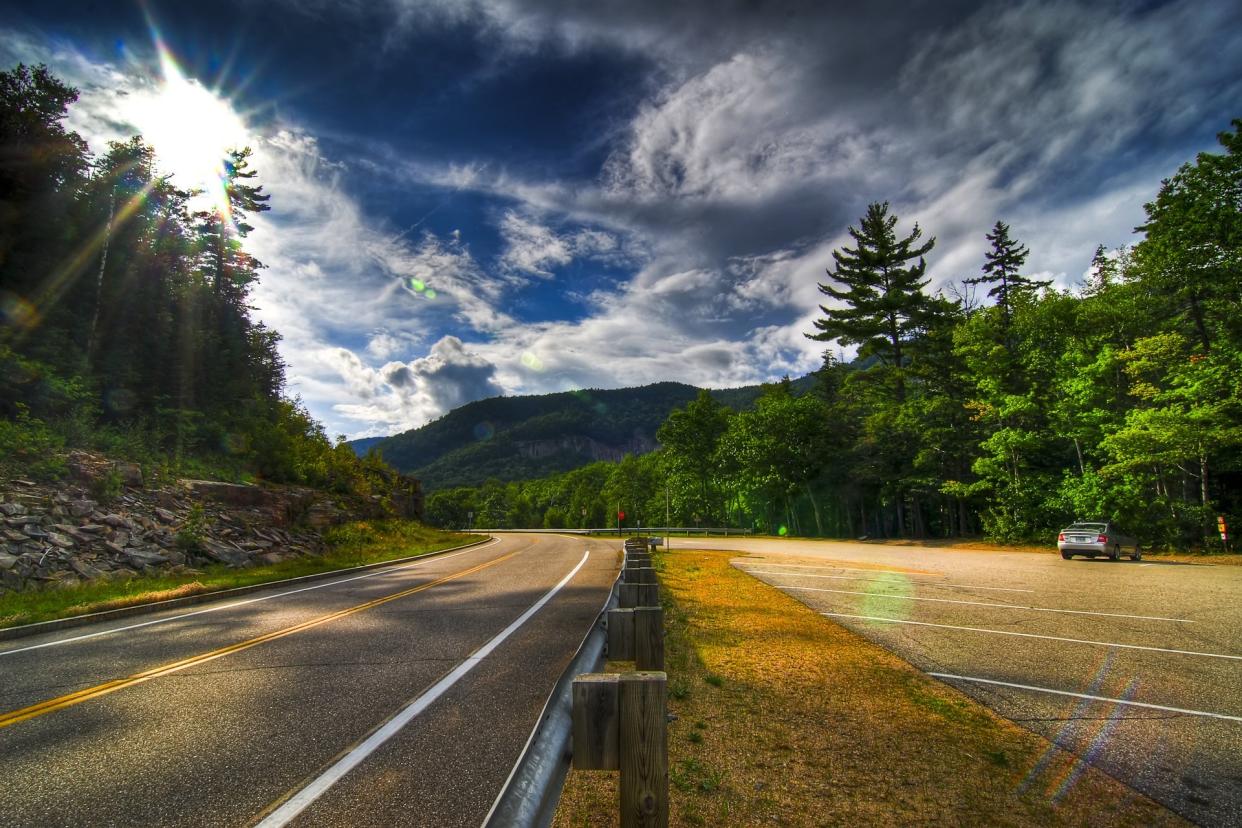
(124, 318)
(1000, 407)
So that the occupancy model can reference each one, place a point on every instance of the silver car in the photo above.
(1091, 539)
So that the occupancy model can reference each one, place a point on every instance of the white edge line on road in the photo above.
(884, 580)
(1205, 713)
(1032, 635)
(981, 603)
(242, 603)
(316, 788)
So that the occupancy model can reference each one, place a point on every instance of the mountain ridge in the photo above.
(533, 435)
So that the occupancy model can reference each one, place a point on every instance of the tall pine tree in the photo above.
(882, 288)
(1002, 269)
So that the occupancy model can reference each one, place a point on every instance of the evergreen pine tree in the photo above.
(882, 279)
(1002, 269)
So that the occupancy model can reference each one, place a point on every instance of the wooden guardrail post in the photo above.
(639, 575)
(595, 716)
(648, 637)
(644, 750)
(637, 634)
(621, 635)
(638, 595)
(620, 722)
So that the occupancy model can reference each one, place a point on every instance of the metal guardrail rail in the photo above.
(727, 531)
(531, 793)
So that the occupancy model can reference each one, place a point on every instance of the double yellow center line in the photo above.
(71, 699)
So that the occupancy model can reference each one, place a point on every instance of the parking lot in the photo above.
(1136, 667)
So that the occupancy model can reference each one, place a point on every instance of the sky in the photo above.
(482, 197)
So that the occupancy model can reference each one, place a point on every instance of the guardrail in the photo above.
(639, 531)
(591, 718)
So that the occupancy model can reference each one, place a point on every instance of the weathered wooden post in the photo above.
(644, 750)
(595, 713)
(638, 575)
(621, 635)
(620, 722)
(648, 637)
(637, 635)
(638, 595)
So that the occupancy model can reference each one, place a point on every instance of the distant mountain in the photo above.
(519, 438)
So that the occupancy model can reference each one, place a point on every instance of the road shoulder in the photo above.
(786, 717)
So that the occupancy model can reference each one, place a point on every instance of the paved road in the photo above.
(217, 714)
(1160, 634)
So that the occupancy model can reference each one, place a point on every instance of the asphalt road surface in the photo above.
(1159, 645)
(260, 708)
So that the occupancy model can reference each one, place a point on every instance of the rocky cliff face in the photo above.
(66, 533)
(586, 447)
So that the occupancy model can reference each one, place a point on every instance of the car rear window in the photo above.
(1087, 527)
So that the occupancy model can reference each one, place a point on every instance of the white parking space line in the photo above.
(927, 581)
(1032, 635)
(756, 562)
(1126, 702)
(297, 803)
(275, 585)
(981, 603)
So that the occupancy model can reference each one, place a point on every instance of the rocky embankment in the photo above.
(104, 523)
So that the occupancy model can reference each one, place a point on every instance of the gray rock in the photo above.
(116, 522)
(115, 548)
(84, 569)
(81, 508)
(12, 536)
(131, 474)
(144, 558)
(91, 528)
(34, 531)
(119, 538)
(7, 561)
(63, 541)
(225, 554)
(12, 509)
(165, 515)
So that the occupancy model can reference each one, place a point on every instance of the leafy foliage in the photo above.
(124, 313)
(1009, 420)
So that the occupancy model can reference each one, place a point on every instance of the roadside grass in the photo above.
(786, 718)
(349, 545)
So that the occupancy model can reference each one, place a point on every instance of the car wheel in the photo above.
(1115, 555)
(1067, 555)
(1137, 555)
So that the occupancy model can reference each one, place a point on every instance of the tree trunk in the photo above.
(819, 523)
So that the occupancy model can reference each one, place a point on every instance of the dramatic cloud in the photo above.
(683, 238)
(408, 394)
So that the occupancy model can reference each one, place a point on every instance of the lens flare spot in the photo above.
(783, 531)
(417, 285)
(484, 431)
(120, 400)
(430, 293)
(16, 312)
(531, 361)
(233, 443)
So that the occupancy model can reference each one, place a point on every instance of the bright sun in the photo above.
(191, 129)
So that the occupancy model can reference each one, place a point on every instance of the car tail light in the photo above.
(1061, 538)
(1102, 539)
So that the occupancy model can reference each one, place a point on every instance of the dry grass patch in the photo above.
(785, 718)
